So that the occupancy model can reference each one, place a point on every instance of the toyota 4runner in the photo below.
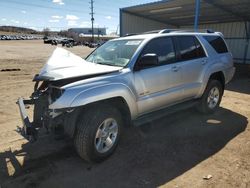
(128, 80)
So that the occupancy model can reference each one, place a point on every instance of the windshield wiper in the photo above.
(109, 64)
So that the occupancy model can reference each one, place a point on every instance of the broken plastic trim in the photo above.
(28, 131)
(37, 77)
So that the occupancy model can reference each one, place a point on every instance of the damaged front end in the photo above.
(62, 68)
(45, 93)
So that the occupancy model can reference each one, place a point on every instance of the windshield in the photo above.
(114, 53)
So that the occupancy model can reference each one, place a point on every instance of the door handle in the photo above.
(175, 68)
(203, 62)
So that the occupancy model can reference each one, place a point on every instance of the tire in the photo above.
(211, 97)
(98, 132)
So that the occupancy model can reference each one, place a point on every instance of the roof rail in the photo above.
(151, 32)
(172, 31)
(168, 30)
(191, 30)
(210, 31)
(179, 30)
(131, 34)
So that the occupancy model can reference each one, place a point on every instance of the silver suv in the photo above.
(129, 80)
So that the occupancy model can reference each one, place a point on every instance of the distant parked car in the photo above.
(68, 42)
(93, 45)
(86, 43)
(47, 41)
(19, 37)
(2, 37)
(54, 42)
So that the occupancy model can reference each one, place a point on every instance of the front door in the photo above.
(160, 85)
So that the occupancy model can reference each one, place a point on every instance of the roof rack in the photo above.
(131, 34)
(191, 30)
(147, 32)
(151, 32)
(171, 31)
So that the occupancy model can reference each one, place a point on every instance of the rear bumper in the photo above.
(28, 130)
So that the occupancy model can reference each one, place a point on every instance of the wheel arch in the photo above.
(216, 75)
(72, 118)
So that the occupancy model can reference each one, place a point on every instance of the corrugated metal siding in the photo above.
(232, 32)
(229, 30)
(237, 47)
(135, 24)
(248, 53)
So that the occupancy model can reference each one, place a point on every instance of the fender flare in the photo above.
(217, 67)
(107, 91)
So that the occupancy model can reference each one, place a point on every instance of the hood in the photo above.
(63, 64)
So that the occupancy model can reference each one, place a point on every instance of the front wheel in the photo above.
(211, 98)
(98, 132)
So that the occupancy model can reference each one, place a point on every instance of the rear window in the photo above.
(217, 43)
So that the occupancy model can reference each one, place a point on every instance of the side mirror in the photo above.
(147, 60)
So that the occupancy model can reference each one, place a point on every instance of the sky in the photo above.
(63, 14)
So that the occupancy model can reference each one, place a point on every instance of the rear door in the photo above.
(158, 86)
(194, 59)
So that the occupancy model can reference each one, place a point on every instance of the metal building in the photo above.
(231, 17)
(88, 31)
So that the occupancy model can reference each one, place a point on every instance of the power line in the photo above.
(49, 7)
(74, 10)
(34, 11)
(104, 6)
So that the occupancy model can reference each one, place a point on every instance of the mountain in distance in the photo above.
(15, 29)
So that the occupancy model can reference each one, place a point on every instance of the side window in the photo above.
(217, 43)
(163, 48)
(187, 47)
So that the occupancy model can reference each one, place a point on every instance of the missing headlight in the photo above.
(55, 93)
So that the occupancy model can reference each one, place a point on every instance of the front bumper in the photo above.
(28, 130)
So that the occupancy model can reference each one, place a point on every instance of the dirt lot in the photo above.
(175, 151)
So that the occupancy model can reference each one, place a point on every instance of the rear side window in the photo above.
(217, 43)
(190, 48)
(163, 48)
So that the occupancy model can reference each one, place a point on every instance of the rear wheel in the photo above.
(211, 98)
(98, 132)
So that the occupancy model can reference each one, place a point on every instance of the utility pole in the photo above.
(197, 14)
(92, 18)
(98, 32)
(117, 29)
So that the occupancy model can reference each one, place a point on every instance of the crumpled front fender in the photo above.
(74, 98)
